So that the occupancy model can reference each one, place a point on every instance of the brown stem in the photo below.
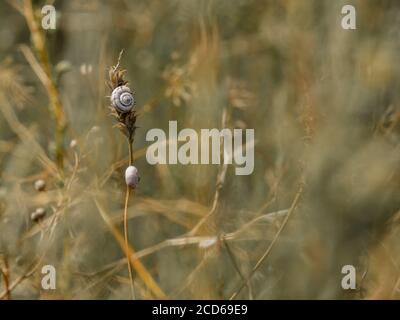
(137, 265)
(271, 245)
(127, 242)
(126, 234)
(39, 44)
(6, 277)
(130, 143)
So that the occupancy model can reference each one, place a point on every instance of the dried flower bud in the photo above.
(132, 177)
(40, 185)
(38, 214)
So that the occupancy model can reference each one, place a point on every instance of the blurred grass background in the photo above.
(324, 103)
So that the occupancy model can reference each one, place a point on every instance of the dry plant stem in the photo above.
(39, 43)
(126, 234)
(6, 277)
(24, 134)
(30, 270)
(218, 187)
(134, 261)
(126, 123)
(21, 278)
(268, 251)
(126, 242)
(236, 266)
(185, 241)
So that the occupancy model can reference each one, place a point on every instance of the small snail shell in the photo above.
(132, 177)
(122, 99)
(73, 144)
(38, 214)
(40, 185)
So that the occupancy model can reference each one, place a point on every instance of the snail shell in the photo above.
(38, 214)
(122, 99)
(40, 185)
(132, 177)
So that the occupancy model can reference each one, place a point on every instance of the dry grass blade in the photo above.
(130, 252)
(25, 135)
(30, 57)
(5, 271)
(28, 273)
(39, 43)
(271, 245)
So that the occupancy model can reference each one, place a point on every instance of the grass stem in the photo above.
(39, 44)
(126, 232)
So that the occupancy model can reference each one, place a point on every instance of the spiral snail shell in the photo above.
(122, 99)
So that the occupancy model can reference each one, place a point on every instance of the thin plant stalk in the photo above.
(6, 278)
(271, 245)
(134, 260)
(126, 234)
(39, 43)
(127, 124)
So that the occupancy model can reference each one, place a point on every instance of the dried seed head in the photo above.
(132, 177)
(122, 102)
(40, 185)
(38, 214)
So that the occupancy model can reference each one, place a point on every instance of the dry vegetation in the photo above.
(325, 106)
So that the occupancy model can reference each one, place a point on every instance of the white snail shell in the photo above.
(40, 185)
(38, 214)
(132, 177)
(122, 99)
